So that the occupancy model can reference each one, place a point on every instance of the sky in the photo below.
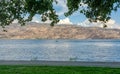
(80, 19)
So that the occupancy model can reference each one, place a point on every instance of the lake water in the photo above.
(60, 50)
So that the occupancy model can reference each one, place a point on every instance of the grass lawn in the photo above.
(56, 70)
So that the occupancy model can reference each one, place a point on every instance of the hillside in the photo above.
(44, 31)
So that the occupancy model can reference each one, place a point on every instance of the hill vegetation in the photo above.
(45, 31)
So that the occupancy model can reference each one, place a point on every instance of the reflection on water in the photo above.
(60, 50)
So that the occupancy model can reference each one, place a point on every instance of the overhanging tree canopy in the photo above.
(93, 9)
(24, 10)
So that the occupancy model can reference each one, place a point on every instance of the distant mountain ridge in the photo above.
(45, 31)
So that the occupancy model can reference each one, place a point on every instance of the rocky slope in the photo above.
(44, 31)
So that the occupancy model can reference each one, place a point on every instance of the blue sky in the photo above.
(80, 19)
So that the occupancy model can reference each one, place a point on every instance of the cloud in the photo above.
(110, 24)
(65, 21)
(15, 21)
(87, 23)
(48, 21)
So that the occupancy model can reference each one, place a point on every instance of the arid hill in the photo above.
(44, 31)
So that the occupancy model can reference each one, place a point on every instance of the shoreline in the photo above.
(61, 63)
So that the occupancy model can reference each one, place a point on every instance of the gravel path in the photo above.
(62, 63)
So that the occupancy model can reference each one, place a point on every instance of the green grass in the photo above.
(56, 70)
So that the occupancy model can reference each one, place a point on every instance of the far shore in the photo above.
(42, 31)
(61, 63)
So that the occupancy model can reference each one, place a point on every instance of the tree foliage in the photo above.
(24, 10)
(93, 9)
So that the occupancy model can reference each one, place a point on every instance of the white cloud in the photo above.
(87, 23)
(15, 21)
(110, 24)
(48, 21)
(65, 21)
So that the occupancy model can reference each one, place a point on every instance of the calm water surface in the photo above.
(60, 50)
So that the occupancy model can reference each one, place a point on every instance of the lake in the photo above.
(61, 50)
